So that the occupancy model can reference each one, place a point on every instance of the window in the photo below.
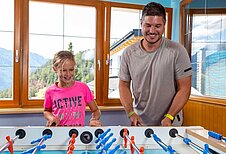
(62, 28)
(128, 33)
(6, 49)
(206, 42)
(124, 30)
(31, 32)
(9, 54)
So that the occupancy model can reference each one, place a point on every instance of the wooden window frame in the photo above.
(16, 65)
(21, 45)
(115, 101)
(186, 40)
(34, 103)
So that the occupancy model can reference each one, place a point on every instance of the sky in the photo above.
(46, 28)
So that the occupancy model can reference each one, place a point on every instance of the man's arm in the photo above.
(127, 101)
(126, 95)
(180, 99)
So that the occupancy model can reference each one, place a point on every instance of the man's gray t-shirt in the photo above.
(154, 76)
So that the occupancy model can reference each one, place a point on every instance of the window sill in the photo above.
(208, 100)
(40, 110)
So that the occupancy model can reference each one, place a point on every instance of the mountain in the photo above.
(6, 65)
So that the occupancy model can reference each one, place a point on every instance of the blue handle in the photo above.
(158, 140)
(45, 137)
(107, 146)
(114, 150)
(170, 149)
(38, 147)
(104, 141)
(101, 136)
(215, 135)
(187, 140)
(206, 149)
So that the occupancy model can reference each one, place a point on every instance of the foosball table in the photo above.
(110, 140)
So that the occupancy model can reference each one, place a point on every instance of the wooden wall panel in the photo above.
(208, 115)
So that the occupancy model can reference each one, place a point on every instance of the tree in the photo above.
(44, 76)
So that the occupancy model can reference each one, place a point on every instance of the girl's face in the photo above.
(66, 72)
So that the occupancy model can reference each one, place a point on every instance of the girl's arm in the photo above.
(94, 121)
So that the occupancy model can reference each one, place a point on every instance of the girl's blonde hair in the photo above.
(62, 56)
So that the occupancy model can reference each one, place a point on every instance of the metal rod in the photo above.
(40, 143)
(200, 148)
(163, 143)
(7, 144)
(134, 146)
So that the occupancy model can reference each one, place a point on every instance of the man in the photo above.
(160, 72)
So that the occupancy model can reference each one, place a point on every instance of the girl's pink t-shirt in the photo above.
(69, 104)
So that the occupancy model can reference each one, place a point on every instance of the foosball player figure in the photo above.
(125, 133)
(141, 150)
(10, 148)
(71, 146)
(131, 145)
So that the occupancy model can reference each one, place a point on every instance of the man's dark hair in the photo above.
(154, 9)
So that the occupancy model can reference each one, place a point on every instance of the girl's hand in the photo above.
(94, 122)
(53, 121)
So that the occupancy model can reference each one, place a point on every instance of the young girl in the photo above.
(65, 101)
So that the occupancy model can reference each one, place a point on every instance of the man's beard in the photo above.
(154, 41)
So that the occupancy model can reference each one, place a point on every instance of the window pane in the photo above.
(62, 29)
(49, 20)
(209, 55)
(127, 34)
(7, 15)
(80, 21)
(6, 48)
(223, 32)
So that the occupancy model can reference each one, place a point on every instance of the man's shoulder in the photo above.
(136, 45)
(172, 44)
(174, 47)
(132, 48)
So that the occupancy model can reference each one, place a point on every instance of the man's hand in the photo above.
(166, 122)
(135, 120)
